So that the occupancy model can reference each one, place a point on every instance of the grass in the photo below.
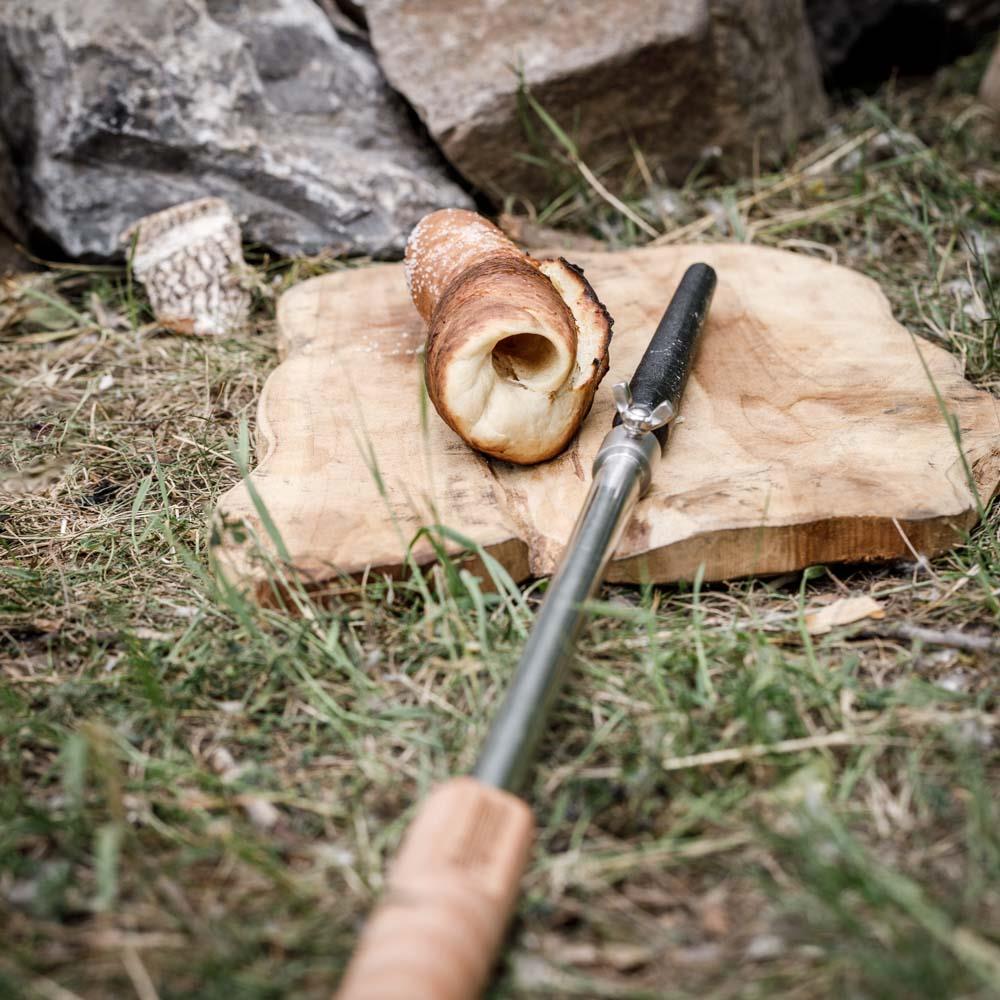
(198, 796)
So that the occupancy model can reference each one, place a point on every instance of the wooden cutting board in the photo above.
(811, 433)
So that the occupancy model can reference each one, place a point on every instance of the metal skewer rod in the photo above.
(454, 883)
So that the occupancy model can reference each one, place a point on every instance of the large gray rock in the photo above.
(10, 225)
(863, 41)
(118, 110)
(989, 88)
(675, 76)
(9, 196)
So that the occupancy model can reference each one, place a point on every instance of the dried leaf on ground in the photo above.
(842, 612)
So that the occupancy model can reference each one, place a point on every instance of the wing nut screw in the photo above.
(636, 419)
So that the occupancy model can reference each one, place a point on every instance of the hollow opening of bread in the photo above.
(528, 358)
(516, 348)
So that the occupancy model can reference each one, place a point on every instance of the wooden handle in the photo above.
(451, 890)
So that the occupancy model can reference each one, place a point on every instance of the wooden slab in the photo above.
(811, 432)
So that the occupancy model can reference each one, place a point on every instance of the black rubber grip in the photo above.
(664, 368)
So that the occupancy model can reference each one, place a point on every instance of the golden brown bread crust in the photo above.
(472, 300)
(516, 347)
(442, 246)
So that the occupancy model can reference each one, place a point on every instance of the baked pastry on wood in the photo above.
(516, 347)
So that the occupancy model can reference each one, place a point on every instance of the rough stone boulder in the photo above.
(10, 224)
(112, 111)
(674, 76)
(989, 89)
(861, 42)
(9, 221)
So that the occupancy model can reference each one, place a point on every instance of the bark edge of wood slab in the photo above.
(811, 434)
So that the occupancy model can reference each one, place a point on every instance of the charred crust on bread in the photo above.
(588, 290)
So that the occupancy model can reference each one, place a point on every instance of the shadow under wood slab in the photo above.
(811, 433)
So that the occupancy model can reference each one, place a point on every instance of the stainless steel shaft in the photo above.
(622, 471)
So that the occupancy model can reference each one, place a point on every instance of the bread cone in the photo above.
(516, 347)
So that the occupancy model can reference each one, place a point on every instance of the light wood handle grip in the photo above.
(452, 888)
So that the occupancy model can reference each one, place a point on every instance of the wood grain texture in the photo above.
(811, 433)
